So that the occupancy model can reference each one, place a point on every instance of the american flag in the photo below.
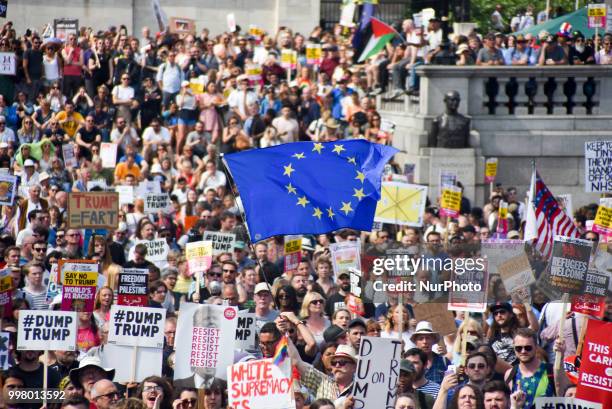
(547, 219)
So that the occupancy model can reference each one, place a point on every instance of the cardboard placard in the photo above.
(45, 330)
(206, 331)
(375, 384)
(259, 384)
(499, 250)
(472, 294)
(136, 326)
(133, 287)
(516, 272)
(93, 210)
(597, 162)
(221, 242)
(79, 280)
(438, 315)
(401, 203)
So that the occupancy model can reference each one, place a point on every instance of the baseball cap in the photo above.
(262, 287)
(28, 162)
(332, 333)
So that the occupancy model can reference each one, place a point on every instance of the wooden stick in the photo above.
(466, 316)
(585, 321)
(45, 380)
(134, 360)
(558, 354)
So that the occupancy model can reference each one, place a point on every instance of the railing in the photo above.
(558, 91)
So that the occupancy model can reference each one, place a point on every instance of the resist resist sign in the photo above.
(47, 330)
(136, 326)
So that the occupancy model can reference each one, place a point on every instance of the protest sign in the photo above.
(70, 159)
(565, 403)
(490, 170)
(448, 178)
(569, 264)
(597, 283)
(199, 257)
(293, 253)
(499, 250)
(313, 54)
(54, 287)
(4, 350)
(348, 14)
(136, 326)
(589, 305)
(6, 289)
(182, 25)
(63, 27)
(43, 330)
(288, 58)
(108, 153)
(98, 183)
(344, 256)
(516, 272)
(375, 384)
(149, 362)
(221, 242)
(603, 219)
(596, 15)
(93, 210)
(8, 188)
(246, 331)
(157, 250)
(254, 72)
(566, 203)
(206, 332)
(157, 202)
(231, 22)
(3, 8)
(469, 290)
(79, 280)
(401, 203)
(132, 289)
(190, 221)
(502, 219)
(259, 384)
(597, 163)
(450, 201)
(147, 186)
(126, 194)
(256, 32)
(595, 383)
(435, 311)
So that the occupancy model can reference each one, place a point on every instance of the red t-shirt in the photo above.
(70, 69)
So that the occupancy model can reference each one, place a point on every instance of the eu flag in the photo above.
(309, 187)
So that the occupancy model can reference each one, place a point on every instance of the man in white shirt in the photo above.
(286, 126)
(241, 98)
(154, 136)
(169, 78)
(212, 178)
(6, 134)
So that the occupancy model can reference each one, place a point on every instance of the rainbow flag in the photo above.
(281, 351)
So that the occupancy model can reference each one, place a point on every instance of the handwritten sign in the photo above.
(516, 273)
(93, 210)
(597, 163)
(259, 384)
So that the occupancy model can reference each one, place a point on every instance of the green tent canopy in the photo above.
(578, 20)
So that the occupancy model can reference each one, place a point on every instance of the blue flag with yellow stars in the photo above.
(309, 187)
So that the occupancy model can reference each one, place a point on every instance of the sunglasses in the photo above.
(230, 270)
(340, 363)
(500, 312)
(214, 274)
(521, 348)
(317, 302)
(39, 249)
(190, 402)
(476, 366)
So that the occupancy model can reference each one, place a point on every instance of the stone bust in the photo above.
(451, 129)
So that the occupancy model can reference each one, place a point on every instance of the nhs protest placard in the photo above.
(206, 332)
(199, 257)
(569, 264)
(598, 166)
(132, 289)
(157, 202)
(93, 210)
(41, 330)
(4, 350)
(79, 280)
(375, 384)
(116, 356)
(259, 384)
(221, 242)
(344, 256)
(8, 189)
(136, 326)
(595, 374)
(246, 331)
(565, 403)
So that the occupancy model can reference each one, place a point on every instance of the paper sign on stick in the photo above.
(41, 330)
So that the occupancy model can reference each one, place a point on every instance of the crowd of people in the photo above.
(172, 104)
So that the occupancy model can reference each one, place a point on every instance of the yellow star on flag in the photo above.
(346, 208)
(298, 155)
(360, 176)
(317, 147)
(317, 213)
(288, 170)
(291, 189)
(302, 201)
(338, 149)
(330, 213)
(352, 160)
(359, 193)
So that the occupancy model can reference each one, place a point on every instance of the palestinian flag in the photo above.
(379, 35)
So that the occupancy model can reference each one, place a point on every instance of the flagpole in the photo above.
(392, 28)
(230, 179)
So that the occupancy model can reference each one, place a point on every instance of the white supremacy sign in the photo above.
(207, 337)
(221, 242)
(47, 330)
(259, 384)
(377, 373)
(157, 202)
(136, 326)
(598, 166)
